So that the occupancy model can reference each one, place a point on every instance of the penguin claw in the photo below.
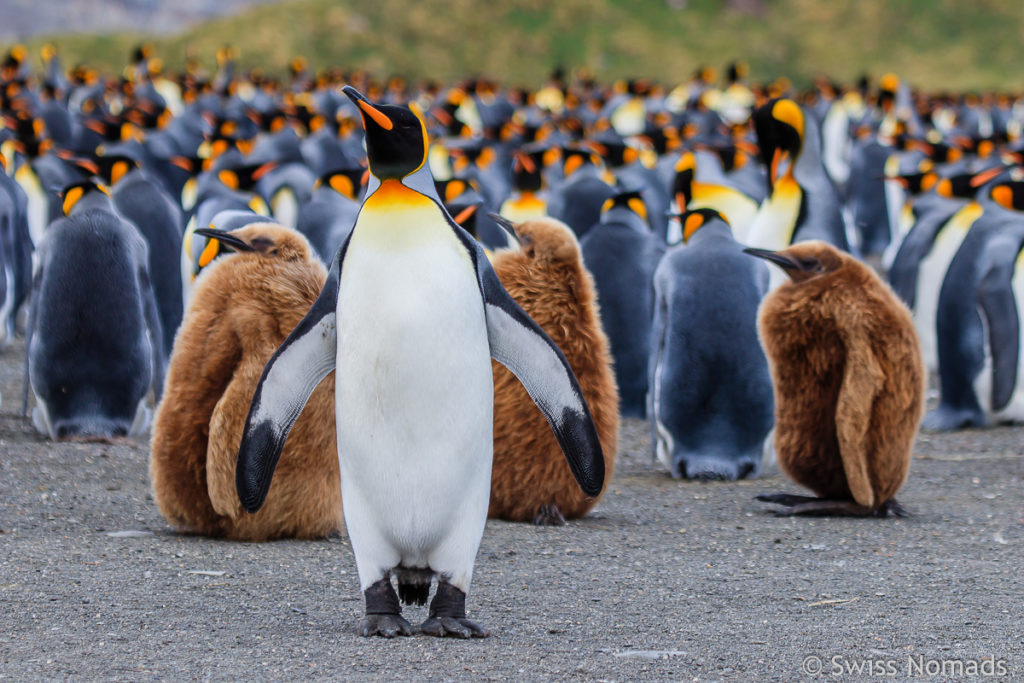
(549, 515)
(385, 625)
(453, 626)
(822, 507)
(787, 499)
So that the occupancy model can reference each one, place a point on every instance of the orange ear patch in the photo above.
(229, 178)
(1003, 195)
(118, 171)
(453, 189)
(572, 164)
(210, 252)
(638, 207)
(693, 222)
(342, 185)
(71, 198)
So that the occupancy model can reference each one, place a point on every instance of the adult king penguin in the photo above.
(410, 316)
(802, 203)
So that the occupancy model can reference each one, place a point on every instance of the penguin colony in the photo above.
(117, 194)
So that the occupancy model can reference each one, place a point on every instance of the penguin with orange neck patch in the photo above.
(410, 317)
(977, 321)
(802, 202)
(848, 380)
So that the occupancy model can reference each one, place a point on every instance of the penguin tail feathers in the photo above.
(414, 585)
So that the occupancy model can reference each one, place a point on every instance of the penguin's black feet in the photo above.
(785, 498)
(891, 508)
(823, 507)
(383, 613)
(448, 615)
(549, 515)
(384, 625)
(946, 419)
(450, 626)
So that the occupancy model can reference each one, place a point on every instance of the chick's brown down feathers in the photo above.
(849, 381)
(243, 307)
(547, 278)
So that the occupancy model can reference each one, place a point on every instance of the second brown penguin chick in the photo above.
(848, 378)
(530, 479)
(243, 307)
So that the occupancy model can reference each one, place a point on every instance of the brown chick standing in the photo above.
(530, 479)
(243, 307)
(849, 382)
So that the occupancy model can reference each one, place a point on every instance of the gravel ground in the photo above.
(665, 580)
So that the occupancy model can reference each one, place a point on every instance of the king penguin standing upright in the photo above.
(802, 203)
(410, 316)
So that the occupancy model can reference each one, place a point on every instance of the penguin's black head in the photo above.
(692, 221)
(396, 137)
(960, 185)
(348, 182)
(682, 184)
(465, 212)
(113, 167)
(779, 125)
(1009, 195)
(631, 200)
(803, 261)
(72, 194)
(526, 170)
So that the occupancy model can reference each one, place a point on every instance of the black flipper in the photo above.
(518, 343)
(293, 372)
(997, 302)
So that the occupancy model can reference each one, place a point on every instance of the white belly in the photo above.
(930, 274)
(414, 396)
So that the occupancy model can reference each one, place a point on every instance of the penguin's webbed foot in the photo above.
(448, 615)
(787, 499)
(946, 419)
(384, 625)
(450, 626)
(891, 508)
(549, 515)
(823, 507)
(383, 613)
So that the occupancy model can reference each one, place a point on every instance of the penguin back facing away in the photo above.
(243, 307)
(622, 252)
(530, 480)
(93, 316)
(710, 391)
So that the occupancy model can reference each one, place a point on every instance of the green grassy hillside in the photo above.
(937, 44)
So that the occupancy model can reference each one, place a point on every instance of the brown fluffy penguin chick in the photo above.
(243, 307)
(530, 479)
(849, 382)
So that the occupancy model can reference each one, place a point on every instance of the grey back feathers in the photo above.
(711, 392)
(94, 334)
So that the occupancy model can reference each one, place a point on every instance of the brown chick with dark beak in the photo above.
(849, 382)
